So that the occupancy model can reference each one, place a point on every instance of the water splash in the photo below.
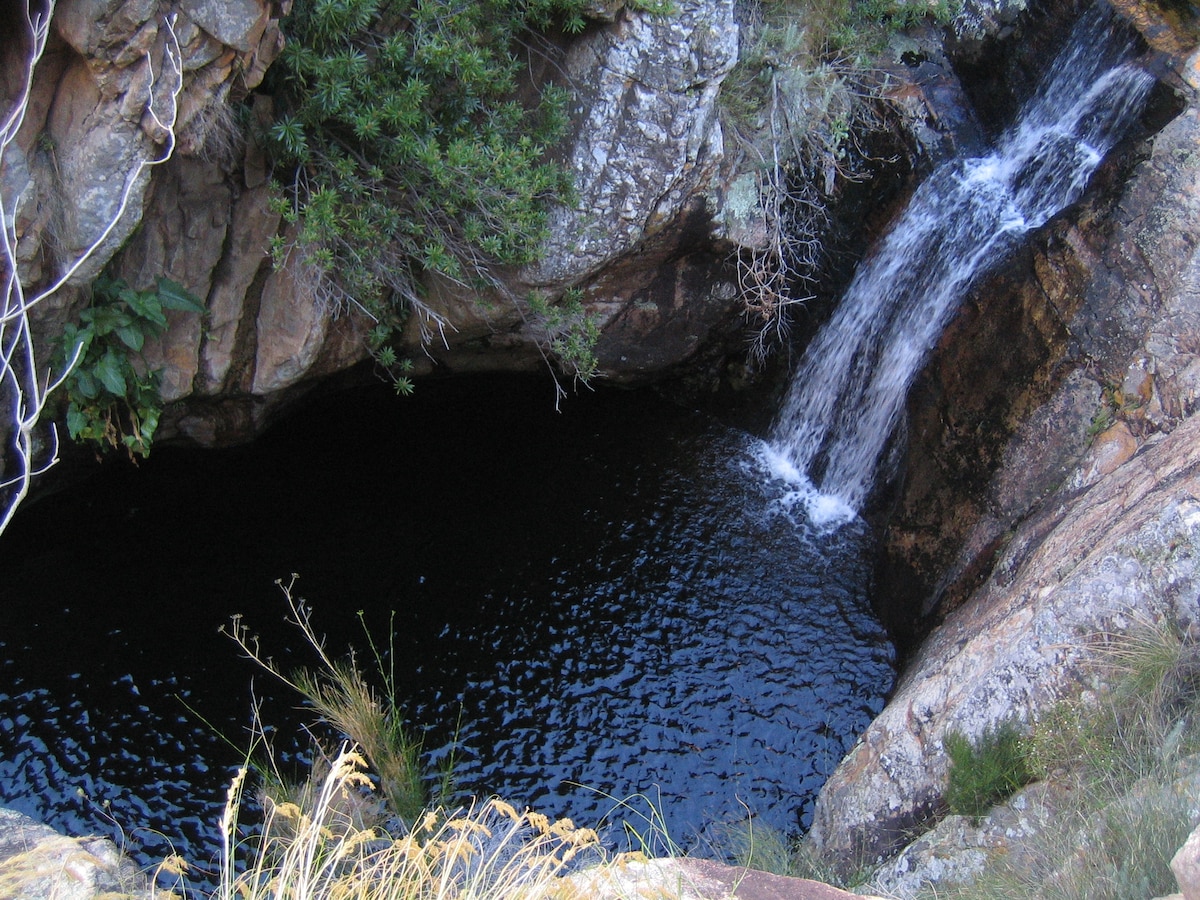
(848, 393)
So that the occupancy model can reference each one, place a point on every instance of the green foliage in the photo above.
(401, 151)
(891, 16)
(987, 771)
(396, 368)
(571, 333)
(113, 399)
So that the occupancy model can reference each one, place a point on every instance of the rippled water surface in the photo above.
(599, 603)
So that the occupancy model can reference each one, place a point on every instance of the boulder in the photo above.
(1186, 866)
(634, 875)
(38, 863)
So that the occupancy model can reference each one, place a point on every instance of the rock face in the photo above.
(646, 245)
(129, 123)
(92, 126)
(647, 137)
(1094, 561)
(648, 158)
(647, 152)
(1032, 836)
(986, 18)
(1090, 520)
(38, 863)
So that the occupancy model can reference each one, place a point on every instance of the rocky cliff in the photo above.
(647, 152)
(650, 244)
(1052, 492)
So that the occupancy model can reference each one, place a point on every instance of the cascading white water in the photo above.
(848, 393)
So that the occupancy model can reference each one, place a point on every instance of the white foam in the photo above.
(825, 512)
(829, 511)
(780, 465)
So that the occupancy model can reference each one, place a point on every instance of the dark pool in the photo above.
(593, 605)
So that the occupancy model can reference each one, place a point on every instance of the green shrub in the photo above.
(113, 399)
(987, 771)
(402, 151)
(569, 332)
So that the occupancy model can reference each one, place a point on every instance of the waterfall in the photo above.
(848, 392)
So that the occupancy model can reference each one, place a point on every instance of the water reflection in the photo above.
(597, 601)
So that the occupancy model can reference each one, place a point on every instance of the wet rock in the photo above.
(987, 18)
(1097, 325)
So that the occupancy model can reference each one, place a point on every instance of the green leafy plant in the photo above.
(986, 771)
(570, 333)
(395, 367)
(402, 152)
(113, 399)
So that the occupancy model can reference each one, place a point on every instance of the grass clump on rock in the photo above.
(1121, 772)
(985, 771)
(321, 850)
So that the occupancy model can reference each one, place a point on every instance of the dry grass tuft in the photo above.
(341, 694)
(319, 852)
